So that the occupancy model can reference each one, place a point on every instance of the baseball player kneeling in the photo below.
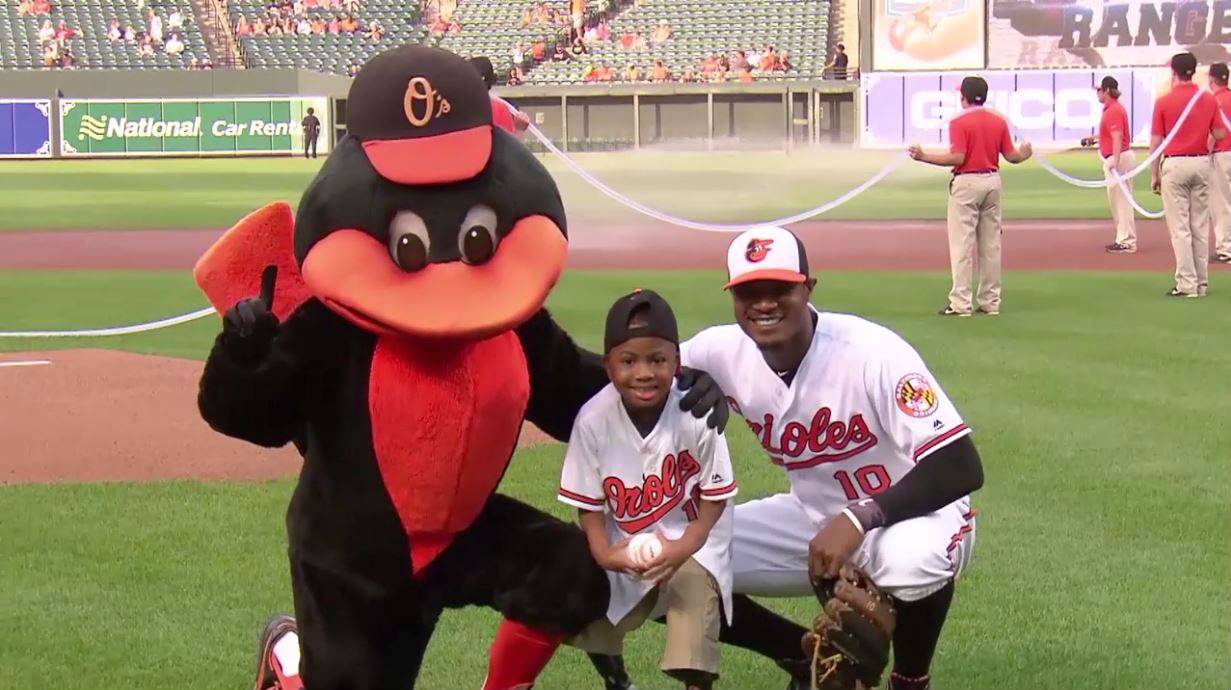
(880, 466)
(651, 483)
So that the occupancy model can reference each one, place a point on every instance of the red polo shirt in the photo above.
(983, 135)
(1222, 96)
(1193, 138)
(1115, 119)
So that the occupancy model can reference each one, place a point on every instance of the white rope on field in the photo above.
(119, 330)
(712, 227)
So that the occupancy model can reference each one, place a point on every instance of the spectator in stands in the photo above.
(560, 54)
(130, 34)
(51, 54)
(659, 74)
(661, 34)
(516, 76)
(350, 25)
(837, 65)
(154, 26)
(454, 28)
(46, 33)
(351, 6)
(335, 25)
(175, 44)
(42, 7)
(303, 27)
(578, 47)
(64, 32)
(439, 27)
(577, 13)
(626, 40)
(784, 61)
(114, 31)
(769, 61)
(633, 73)
(739, 62)
(518, 54)
(194, 64)
(145, 46)
(318, 26)
(206, 63)
(754, 58)
(175, 20)
(539, 51)
(25, 8)
(690, 76)
(375, 30)
(275, 27)
(745, 74)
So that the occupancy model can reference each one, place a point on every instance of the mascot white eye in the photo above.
(477, 238)
(409, 241)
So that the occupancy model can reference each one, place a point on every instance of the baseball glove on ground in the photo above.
(849, 642)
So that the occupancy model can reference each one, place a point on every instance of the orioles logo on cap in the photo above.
(757, 250)
(421, 96)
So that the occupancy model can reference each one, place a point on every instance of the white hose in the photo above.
(713, 227)
(119, 330)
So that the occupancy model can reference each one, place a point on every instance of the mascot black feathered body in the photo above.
(401, 350)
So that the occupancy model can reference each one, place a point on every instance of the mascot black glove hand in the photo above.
(249, 327)
(704, 397)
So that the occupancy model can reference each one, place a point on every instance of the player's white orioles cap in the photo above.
(766, 253)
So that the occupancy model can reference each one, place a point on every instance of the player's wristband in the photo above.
(866, 515)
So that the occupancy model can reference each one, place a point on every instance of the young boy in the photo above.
(636, 465)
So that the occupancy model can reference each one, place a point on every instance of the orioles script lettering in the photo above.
(636, 508)
(826, 439)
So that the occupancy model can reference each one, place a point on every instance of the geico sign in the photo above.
(1026, 108)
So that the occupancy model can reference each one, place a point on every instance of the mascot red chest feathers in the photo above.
(438, 235)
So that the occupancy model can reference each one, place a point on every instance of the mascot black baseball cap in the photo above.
(422, 115)
(658, 321)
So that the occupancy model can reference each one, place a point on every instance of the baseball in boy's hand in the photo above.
(644, 548)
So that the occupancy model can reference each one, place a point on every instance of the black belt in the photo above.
(1186, 155)
(975, 172)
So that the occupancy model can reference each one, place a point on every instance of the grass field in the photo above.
(1099, 407)
(717, 187)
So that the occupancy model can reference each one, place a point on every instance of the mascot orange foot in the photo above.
(399, 341)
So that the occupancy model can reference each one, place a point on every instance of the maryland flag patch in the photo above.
(915, 395)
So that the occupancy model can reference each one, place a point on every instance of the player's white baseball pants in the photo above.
(910, 560)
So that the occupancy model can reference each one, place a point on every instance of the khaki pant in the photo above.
(694, 613)
(1186, 189)
(1220, 202)
(1121, 209)
(974, 221)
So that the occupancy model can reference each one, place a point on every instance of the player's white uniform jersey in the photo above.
(649, 483)
(860, 413)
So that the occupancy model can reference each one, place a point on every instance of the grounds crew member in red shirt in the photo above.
(1184, 172)
(1220, 187)
(504, 115)
(977, 139)
(1114, 139)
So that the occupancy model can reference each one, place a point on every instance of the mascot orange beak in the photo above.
(352, 273)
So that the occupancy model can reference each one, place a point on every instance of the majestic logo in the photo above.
(423, 103)
(757, 250)
(825, 439)
(915, 396)
(636, 508)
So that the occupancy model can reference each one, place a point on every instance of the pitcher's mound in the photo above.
(103, 415)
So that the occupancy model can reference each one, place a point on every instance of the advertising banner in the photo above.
(25, 128)
(200, 127)
(1046, 107)
(1106, 33)
(928, 34)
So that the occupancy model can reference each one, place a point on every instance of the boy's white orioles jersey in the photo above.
(861, 411)
(648, 484)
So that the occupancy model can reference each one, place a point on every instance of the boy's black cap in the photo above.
(659, 320)
(1184, 64)
(974, 89)
(422, 115)
(1109, 83)
(1219, 71)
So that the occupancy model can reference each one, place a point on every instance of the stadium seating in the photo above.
(331, 52)
(489, 28)
(20, 48)
(703, 27)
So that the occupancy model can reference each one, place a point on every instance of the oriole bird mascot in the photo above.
(399, 341)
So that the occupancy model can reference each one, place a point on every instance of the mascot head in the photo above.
(426, 221)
